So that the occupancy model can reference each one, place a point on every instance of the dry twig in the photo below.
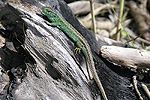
(135, 86)
(146, 90)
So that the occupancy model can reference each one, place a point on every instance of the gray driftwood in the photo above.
(44, 66)
(128, 57)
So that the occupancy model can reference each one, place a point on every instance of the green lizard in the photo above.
(82, 44)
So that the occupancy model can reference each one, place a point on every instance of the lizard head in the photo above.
(50, 13)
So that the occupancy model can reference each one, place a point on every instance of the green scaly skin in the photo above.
(69, 30)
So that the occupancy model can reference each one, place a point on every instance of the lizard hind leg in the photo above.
(77, 50)
(79, 47)
(87, 71)
(84, 50)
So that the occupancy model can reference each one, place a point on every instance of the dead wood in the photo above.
(136, 38)
(107, 25)
(128, 57)
(140, 18)
(82, 7)
(45, 65)
(146, 90)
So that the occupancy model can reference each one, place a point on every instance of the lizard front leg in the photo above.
(51, 24)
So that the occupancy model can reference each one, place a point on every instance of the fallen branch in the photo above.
(135, 87)
(146, 90)
(128, 57)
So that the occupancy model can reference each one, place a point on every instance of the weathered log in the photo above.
(51, 69)
(128, 57)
